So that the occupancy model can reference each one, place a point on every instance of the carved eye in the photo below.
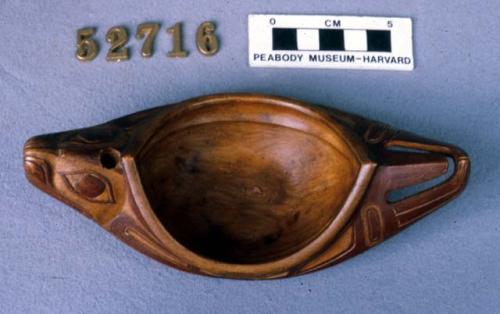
(91, 186)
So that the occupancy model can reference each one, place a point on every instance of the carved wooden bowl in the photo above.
(244, 186)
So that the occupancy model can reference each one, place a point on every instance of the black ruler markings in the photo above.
(332, 40)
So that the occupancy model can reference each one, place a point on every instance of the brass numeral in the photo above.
(117, 37)
(177, 51)
(86, 46)
(206, 41)
(149, 31)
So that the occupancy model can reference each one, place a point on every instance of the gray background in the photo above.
(53, 260)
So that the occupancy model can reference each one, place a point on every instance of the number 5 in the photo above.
(86, 47)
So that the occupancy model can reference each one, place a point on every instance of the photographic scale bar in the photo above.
(331, 39)
(330, 42)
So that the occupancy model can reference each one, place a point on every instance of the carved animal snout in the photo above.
(44, 142)
(36, 168)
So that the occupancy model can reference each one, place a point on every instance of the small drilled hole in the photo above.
(109, 159)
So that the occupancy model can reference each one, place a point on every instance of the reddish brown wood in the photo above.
(245, 186)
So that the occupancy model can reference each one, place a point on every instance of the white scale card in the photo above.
(330, 42)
